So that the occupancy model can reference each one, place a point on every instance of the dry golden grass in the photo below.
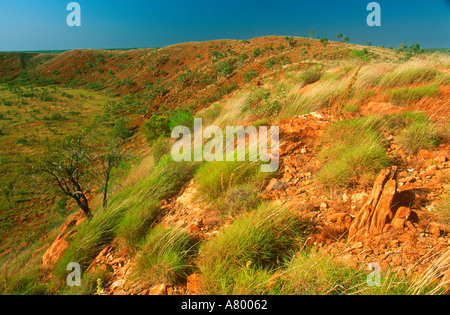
(314, 99)
(232, 113)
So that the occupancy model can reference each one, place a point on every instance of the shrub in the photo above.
(120, 129)
(55, 117)
(272, 61)
(46, 97)
(256, 52)
(241, 259)
(324, 41)
(258, 96)
(262, 122)
(181, 118)
(249, 75)
(226, 67)
(227, 89)
(157, 126)
(311, 75)
(360, 54)
(160, 148)
(242, 58)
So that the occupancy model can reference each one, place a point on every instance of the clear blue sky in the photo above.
(41, 24)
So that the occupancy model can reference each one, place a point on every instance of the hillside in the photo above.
(364, 174)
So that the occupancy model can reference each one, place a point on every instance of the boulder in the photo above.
(402, 215)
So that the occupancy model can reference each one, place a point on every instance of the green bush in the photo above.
(226, 67)
(272, 61)
(120, 129)
(360, 54)
(55, 117)
(160, 147)
(311, 75)
(157, 126)
(256, 52)
(182, 118)
(249, 75)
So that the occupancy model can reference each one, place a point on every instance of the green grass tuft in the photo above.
(215, 178)
(165, 257)
(246, 253)
(418, 136)
(405, 96)
(353, 151)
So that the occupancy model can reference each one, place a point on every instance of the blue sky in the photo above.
(41, 24)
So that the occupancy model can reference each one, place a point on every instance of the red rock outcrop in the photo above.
(56, 250)
(376, 215)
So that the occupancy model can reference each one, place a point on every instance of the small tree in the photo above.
(339, 36)
(156, 127)
(415, 48)
(311, 33)
(345, 39)
(324, 41)
(79, 162)
(67, 163)
(109, 161)
(256, 52)
(291, 41)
